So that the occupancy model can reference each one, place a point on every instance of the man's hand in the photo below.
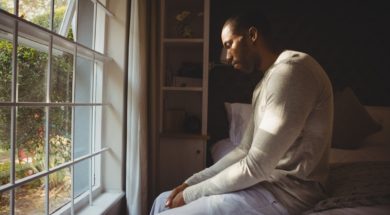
(178, 200)
(172, 201)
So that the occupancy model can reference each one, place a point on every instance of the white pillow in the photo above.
(238, 115)
(221, 148)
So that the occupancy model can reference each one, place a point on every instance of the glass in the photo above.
(98, 82)
(59, 189)
(83, 79)
(7, 5)
(61, 82)
(99, 32)
(60, 10)
(81, 177)
(71, 31)
(60, 136)
(36, 11)
(32, 71)
(85, 23)
(82, 131)
(5, 66)
(82, 146)
(30, 198)
(5, 122)
(5, 203)
(30, 141)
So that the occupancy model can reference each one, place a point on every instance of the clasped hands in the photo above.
(175, 199)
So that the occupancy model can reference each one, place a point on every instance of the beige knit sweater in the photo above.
(287, 142)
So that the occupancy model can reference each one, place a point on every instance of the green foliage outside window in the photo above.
(32, 68)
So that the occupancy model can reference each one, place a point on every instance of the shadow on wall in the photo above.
(350, 39)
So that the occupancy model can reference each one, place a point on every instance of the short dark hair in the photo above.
(241, 22)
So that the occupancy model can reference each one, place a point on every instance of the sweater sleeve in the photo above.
(232, 157)
(290, 94)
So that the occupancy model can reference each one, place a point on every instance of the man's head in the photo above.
(246, 38)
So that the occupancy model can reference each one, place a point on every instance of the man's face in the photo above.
(239, 50)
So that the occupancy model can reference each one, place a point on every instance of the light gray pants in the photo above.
(254, 200)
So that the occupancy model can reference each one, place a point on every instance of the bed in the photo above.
(359, 179)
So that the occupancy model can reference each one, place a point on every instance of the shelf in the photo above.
(184, 135)
(192, 89)
(183, 40)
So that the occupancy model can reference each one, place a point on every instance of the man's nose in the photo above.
(224, 57)
(229, 57)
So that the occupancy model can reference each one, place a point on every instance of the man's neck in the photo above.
(268, 59)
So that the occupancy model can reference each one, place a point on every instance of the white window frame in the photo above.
(18, 26)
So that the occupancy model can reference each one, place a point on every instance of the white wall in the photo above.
(113, 115)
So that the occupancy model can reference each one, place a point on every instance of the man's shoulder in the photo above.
(296, 60)
(291, 56)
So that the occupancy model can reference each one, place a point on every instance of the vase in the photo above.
(184, 30)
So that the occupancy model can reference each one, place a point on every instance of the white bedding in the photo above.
(379, 151)
(377, 210)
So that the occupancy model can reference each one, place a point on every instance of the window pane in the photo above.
(30, 141)
(4, 203)
(84, 76)
(32, 70)
(61, 77)
(98, 84)
(82, 144)
(81, 177)
(71, 32)
(36, 11)
(82, 131)
(7, 5)
(99, 32)
(60, 136)
(60, 10)
(30, 198)
(59, 189)
(5, 66)
(85, 23)
(5, 122)
(64, 16)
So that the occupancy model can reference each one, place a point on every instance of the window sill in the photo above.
(102, 203)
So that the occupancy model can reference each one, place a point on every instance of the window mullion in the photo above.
(72, 142)
(92, 121)
(13, 108)
(47, 150)
(72, 169)
(47, 111)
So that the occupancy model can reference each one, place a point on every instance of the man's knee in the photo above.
(163, 196)
(159, 202)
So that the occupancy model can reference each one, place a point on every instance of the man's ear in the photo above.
(253, 34)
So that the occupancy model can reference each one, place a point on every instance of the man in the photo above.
(281, 165)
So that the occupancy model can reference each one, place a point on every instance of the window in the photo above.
(51, 86)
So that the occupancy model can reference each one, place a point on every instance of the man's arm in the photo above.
(176, 199)
(232, 157)
(290, 98)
